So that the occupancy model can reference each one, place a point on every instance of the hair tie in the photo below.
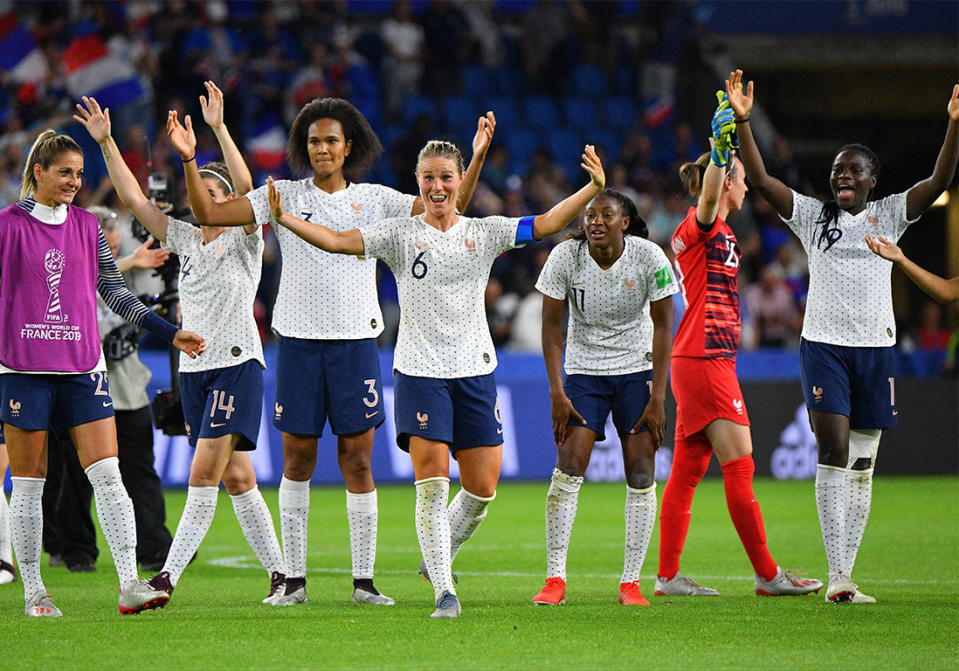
(742, 120)
(187, 160)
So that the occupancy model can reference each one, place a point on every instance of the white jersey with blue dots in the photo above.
(850, 288)
(610, 330)
(326, 296)
(441, 280)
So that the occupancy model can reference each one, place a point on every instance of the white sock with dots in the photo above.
(858, 489)
(194, 523)
(294, 521)
(466, 512)
(26, 526)
(257, 524)
(361, 511)
(433, 531)
(831, 504)
(115, 514)
(640, 519)
(561, 501)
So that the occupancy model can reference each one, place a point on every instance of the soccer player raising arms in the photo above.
(327, 316)
(710, 412)
(617, 357)
(222, 394)
(52, 371)
(846, 354)
(444, 362)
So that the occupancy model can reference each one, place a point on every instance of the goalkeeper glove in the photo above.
(724, 130)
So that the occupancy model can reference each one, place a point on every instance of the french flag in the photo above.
(20, 56)
(93, 71)
(267, 147)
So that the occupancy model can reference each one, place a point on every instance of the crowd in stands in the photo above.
(625, 76)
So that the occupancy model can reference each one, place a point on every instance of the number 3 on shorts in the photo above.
(375, 396)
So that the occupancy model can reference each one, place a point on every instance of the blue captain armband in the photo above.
(524, 231)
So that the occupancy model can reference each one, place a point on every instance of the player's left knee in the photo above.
(640, 480)
(863, 449)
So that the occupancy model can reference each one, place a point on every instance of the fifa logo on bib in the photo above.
(422, 418)
(53, 263)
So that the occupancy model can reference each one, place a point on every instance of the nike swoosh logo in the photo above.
(214, 425)
(107, 405)
(370, 414)
(499, 430)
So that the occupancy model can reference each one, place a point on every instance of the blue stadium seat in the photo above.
(588, 80)
(566, 147)
(460, 113)
(506, 110)
(522, 142)
(581, 112)
(509, 81)
(414, 106)
(477, 82)
(609, 141)
(541, 112)
(621, 114)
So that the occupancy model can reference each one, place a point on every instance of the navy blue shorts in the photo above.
(318, 380)
(461, 412)
(858, 382)
(594, 396)
(58, 402)
(222, 401)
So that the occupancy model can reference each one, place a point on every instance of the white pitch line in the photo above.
(248, 562)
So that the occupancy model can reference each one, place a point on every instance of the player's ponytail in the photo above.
(45, 150)
(692, 173)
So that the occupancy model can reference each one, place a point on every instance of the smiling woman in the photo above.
(55, 259)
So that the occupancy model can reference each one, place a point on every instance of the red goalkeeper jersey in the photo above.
(706, 265)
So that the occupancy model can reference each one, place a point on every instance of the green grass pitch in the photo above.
(216, 621)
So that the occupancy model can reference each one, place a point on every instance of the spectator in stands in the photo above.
(772, 309)
(403, 42)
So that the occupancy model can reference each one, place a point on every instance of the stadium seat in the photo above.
(460, 114)
(566, 147)
(522, 142)
(477, 82)
(506, 110)
(581, 113)
(621, 114)
(610, 142)
(588, 80)
(414, 106)
(541, 112)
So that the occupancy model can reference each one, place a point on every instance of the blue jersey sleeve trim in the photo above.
(524, 231)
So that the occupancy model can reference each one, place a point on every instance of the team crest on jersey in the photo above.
(470, 245)
(14, 408)
(738, 404)
(817, 393)
(873, 220)
(357, 208)
(277, 411)
(423, 418)
(220, 249)
(630, 284)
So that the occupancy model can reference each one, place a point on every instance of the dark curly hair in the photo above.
(366, 145)
(637, 225)
(830, 209)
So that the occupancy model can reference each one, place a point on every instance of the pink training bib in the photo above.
(48, 285)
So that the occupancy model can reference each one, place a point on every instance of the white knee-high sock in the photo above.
(640, 520)
(26, 526)
(6, 552)
(858, 490)
(294, 520)
(115, 513)
(361, 511)
(466, 512)
(194, 523)
(433, 531)
(257, 524)
(562, 497)
(831, 504)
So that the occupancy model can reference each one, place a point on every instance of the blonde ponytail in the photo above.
(46, 149)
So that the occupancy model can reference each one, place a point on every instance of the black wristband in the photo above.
(187, 160)
(738, 121)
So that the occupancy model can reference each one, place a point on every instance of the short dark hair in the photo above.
(366, 147)
(637, 225)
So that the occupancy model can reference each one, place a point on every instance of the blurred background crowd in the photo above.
(633, 77)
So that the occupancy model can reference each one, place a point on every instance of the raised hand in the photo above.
(274, 200)
(144, 257)
(484, 133)
(189, 343)
(182, 139)
(213, 106)
(953, 107)
(95, 120)
(593, 166)
(742, 103)
(886, 248)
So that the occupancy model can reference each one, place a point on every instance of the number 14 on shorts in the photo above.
(221, 402)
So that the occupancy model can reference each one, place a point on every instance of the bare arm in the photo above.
(711, 191)
(559, 216)
(923, 194)
(562, 407)
(654, 416)
(481, 142)
(771, 189)
(234, 212)
(345, 242)
(97, 123)
(941, 289)
(213, 115)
